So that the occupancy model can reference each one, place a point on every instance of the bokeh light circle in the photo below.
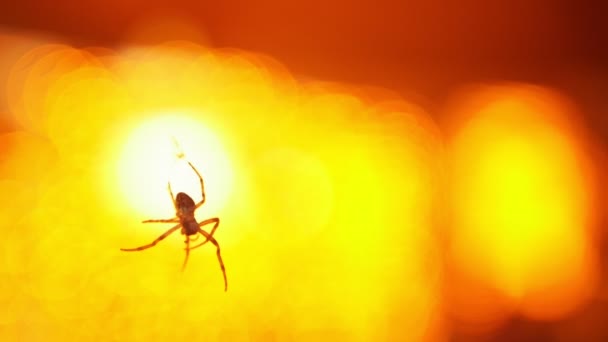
(150, 159)
(522, 202)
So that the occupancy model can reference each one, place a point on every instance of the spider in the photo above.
(184, 211)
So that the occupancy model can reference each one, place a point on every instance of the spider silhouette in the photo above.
(184, 211)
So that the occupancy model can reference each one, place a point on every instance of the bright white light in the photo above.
(151, 158)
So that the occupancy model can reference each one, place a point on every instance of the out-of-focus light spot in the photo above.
(150, 159)
(33, 74)
(12, 48)
(522, 206)
(303, 198)
(23, 156)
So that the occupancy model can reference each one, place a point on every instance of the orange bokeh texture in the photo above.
(346, 213)
(522, 202)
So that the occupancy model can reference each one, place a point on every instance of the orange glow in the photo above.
(326, 199)
(157, 27)
(522, 206)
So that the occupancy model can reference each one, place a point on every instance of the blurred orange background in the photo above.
(382, 171)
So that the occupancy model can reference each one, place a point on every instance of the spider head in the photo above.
(185, 204)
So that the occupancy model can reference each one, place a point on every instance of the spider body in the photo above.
(184, 212)
(185, 205)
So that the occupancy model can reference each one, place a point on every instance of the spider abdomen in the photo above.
(184, 201)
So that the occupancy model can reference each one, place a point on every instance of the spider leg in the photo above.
(187, 252)
(200, 178)
(171, 220)
(153, 243)
(171, 194)
(215, 220)
(219, 257)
